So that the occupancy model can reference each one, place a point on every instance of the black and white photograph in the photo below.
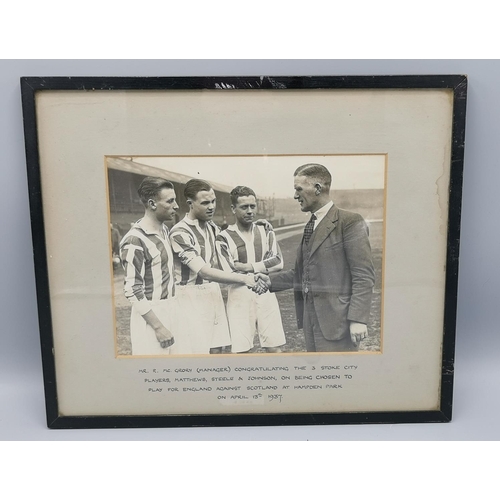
(247, 254)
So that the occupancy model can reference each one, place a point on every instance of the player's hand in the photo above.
(264, 278)
(358, 331)
(249, 280)
(164, 336)
(263, 283)
(265, 223)
(260, 287)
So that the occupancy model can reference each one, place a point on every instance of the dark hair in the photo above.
(151, 186)
(241, 191)
(317, 172)
(194, 186)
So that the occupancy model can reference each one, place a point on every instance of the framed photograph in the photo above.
(246, 250)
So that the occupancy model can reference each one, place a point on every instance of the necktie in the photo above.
(308, 230)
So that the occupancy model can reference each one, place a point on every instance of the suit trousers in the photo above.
(315, 340)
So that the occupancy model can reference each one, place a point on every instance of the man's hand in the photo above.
(249, 280)
(265, 223)
(265, 278)
(164, 336)
(257, 285)
(263, 283)
(260, 287)
(358, 331)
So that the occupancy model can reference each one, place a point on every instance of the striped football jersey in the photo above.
(259, 248)
(148, 263)
(193, 248)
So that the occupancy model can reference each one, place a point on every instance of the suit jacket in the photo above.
(336, 268)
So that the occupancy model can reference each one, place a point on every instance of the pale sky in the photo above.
(273, 175)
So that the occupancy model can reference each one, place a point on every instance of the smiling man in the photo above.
(199, 300)
(248, 247)
(147, 260)
(334, 276)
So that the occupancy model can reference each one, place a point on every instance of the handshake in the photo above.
(258, 282)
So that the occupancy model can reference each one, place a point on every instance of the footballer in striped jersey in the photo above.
(147, 259)
(250, 248)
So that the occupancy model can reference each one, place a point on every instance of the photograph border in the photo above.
(31, 85)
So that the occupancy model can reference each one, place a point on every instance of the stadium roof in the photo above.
(139, 168)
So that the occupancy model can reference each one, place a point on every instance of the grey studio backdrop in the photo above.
(477, 375)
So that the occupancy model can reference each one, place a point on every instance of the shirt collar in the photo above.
(192, 222)
(140, 224)
(321, 212)
(234, 227)
(196, 222)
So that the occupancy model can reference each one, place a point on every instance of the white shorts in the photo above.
(249, 313)
(143, 337)
(202, 318)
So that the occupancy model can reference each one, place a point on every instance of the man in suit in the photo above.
(333, 277)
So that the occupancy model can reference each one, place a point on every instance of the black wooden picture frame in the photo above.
(32, 86)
